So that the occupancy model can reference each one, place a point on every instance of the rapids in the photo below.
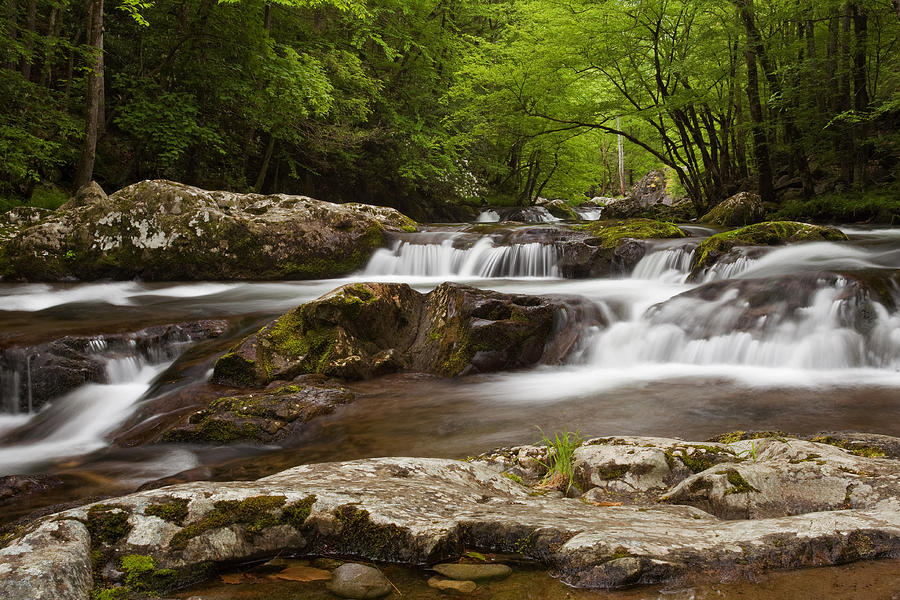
(674, 360)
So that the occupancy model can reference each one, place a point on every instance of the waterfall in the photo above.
(589, 213)
(488, 216)
(671, 265)
(482, 260)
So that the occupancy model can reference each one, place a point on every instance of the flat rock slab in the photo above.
(422, 511)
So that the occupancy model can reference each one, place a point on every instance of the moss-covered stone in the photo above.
(741, 209)
(107, 524)
(296, 513)
(769, 233)
(254, 514)
(859, 449)
(141, 574)
(739, 485)
(611, 233)
(175, 511)
(363, 536)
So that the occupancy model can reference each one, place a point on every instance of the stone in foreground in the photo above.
(360, 582)
(421, 511)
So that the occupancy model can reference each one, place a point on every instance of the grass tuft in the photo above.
(560, 451)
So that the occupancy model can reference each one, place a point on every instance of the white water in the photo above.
(488, 216)
(77, 422)
(589, 214)
(482, 260)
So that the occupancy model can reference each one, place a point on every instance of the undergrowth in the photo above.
(560, 450)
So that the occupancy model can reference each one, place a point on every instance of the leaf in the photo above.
(304, 574)
(475, 555)
(234, 578)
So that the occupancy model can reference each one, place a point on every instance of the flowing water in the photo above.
(781, 338)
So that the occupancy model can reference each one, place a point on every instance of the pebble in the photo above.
(473, 572)
(359, 582)
(451, 585)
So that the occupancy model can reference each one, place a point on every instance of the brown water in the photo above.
(875, 580)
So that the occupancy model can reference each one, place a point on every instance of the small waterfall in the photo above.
(825, 332)
(10, 384)
(488, 216)
(482, 260)
(671, 265)
(591, 213)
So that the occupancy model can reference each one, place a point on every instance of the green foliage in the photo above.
(879, 206)
(560, 451)
(175, 511)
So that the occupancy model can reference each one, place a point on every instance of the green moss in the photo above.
(107, 524)
(235, 369)
(514, 477)
(730, 437)
(880, 206)
(368, 538)
(769, 233)
(295, 514)
(738, 483)
(254, 513)
(175, 511)
(613, 232)
(856, 448)
(114, 593)
(611, 472)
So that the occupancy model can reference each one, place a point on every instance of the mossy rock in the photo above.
(741, 209)
(611, 233)
(769, 233)
(359, 331)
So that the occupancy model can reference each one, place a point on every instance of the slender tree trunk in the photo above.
(31, 27)
(85, 170)
(620, 147)
(12, 29)
(860, 85)
(267, 157)
(848, 146)
(52, 34)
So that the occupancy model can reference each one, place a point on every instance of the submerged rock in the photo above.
(364, 330)
(769, 233)
(353, 580)
(162, 230)
(473, 572)
(427, 511)
(741, 209)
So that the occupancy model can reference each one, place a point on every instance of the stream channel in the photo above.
(689, 368)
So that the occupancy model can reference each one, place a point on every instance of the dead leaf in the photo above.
(234, 578)
(595, 503)
(304, 574)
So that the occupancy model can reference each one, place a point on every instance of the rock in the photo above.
(424, 511)
(265, 416)
(530, 214)
(353, 580)
(651, 189)
(741, 209)
(60, 366)
(769, 233)
(451, 585)
(561, 210)
(364, 330)
(162, 230)
(15, 488)
(473, 572)
(89, 194)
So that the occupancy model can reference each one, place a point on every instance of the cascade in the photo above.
(589, 213)
(482, 260)
(670, 265)
(488, 216)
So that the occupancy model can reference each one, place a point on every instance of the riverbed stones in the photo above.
(452, 585)
(360, 582)
(421, 511)
(473, 572)
(163, 230)
(363, 330)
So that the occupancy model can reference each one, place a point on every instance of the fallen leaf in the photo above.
(304, 574)
(234, 578)
(605, 503)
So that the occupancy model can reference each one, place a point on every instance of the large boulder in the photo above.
(162, 230)
(422, 511)
(769, 233)
(741, 209)
(364, 330)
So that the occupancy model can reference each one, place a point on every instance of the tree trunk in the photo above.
(31, 27)
(85, 171)
(620, 147)
(267, 157)
(860, 86)
(12, 18)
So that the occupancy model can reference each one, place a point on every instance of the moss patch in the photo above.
(141, 574)
(107, 524)
(368, 538)
(295, 514)
(613, 232)
(856, 448)
(739, 485)
(254, 513)
(175, 511)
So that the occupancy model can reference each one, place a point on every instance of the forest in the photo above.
(425, 105)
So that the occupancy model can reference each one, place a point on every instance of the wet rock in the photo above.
(162, 230)
(473, 572)
(561, 210)
(451, 585)
(651, 189)
(353, 580)
(90, 194)
(426, 511)
(265, 416)
(741, 209)
(15, 488)
(360, 331)
(529, 214)
(58, 367)
(769, 233)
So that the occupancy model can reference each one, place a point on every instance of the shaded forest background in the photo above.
(425, 105)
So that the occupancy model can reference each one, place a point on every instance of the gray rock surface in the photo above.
(425, 511)
(741, 209)
(162, 230)
(473, 572)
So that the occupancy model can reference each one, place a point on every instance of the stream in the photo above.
(692, 367)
